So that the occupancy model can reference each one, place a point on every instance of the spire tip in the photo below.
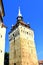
(19, 13)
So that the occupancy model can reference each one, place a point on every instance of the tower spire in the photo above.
(19, 13)
(19, 17)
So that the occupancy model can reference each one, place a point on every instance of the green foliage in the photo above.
(6, 58)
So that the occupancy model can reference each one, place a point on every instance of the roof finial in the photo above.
(19, 14)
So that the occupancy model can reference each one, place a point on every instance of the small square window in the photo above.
(27, 63)
(19, 56)
(0, 50)
(13, 34)
(1, 36)
(27, 32)
(21, 30)
(14, 63)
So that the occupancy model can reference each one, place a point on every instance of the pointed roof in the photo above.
(19, 17)
(19, 21)
(19, 13)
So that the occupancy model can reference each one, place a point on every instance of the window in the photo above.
(19, 56)
(21, 30)
(14, 63)
(27, 63)
(1, 51)
(13, 34)
(14, 40)
(1, 36)
(14, 53)
(16, 34)
(27, 32)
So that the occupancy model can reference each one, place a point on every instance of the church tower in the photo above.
(2, 34)
(22, 44)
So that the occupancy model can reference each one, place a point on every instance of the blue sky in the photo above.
(32, 12)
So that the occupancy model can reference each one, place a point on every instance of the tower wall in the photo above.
(28, 49)
(22, 47)
(15, 48)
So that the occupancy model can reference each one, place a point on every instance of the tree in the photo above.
(6, 58)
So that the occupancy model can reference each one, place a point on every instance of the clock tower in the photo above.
(22, 44)
(2, 34)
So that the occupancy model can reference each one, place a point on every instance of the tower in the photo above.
(22, 44)
(2, 34)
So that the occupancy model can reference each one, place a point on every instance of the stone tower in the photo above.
(22, 44)
(2, 34)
